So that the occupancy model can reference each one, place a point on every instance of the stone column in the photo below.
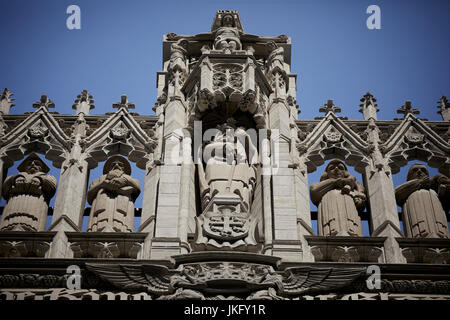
(286, 242)
(383, 212)
(72, 187)
(384, 217)
(166, 241)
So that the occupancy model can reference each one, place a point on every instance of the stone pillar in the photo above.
(166, 241)
(72, 187)
(286, 243)
(267, 196)
(384, 216)
(186, 213)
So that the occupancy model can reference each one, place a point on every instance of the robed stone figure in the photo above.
(28, 194)
(230, 167)
(424, 201)
(339, 198)
(112, 197)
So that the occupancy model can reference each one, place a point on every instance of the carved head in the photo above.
(117, 163)
(33, 164)
(334, 170)
(228, 20)
(417, 171)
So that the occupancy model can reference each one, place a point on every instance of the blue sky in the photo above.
(119, 48)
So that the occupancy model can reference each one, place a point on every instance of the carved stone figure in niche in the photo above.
(112, 197)
(424, 201)
(338, 197)
(231, 165)
(28, 194)
(227, 36)
(227, 185)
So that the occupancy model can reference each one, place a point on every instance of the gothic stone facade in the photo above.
(226, 204)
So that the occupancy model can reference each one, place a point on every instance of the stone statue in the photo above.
(227, 36)
(424, 201)
(178, 52)
(28, 194)
(112, 197)
(231, 165)
(338, 197)
(227, 185)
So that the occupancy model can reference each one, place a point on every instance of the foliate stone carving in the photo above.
(422, 199)
(37, 132)
(414, 138)
(44, 102)
(83, 103)
(28, 194)
(339, 197)
(120, 133)
(444, 108)
(332, 136)
(227, 183)
(112, 197)
(6, 100)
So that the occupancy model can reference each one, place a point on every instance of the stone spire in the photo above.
(368, 107)
(83, 103)
(6, 100)
(444, 108)
(407, 109)
(44, 102)
(123, 103)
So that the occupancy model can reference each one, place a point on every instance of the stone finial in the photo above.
(407, 109)
(44, 102)
(368, 107)
(444, 108)
(6, 100)
(329, 106)
(123, 103)
(83, 103)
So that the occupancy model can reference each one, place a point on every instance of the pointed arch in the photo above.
(119, 134)
(413, 139)
(332, 138)
(40, 133)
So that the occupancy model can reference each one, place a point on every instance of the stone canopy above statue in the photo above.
(232, 19)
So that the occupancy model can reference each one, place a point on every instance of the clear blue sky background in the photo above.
(119, 50)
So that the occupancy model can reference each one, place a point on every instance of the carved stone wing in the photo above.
(152, 279)
(301, 280)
